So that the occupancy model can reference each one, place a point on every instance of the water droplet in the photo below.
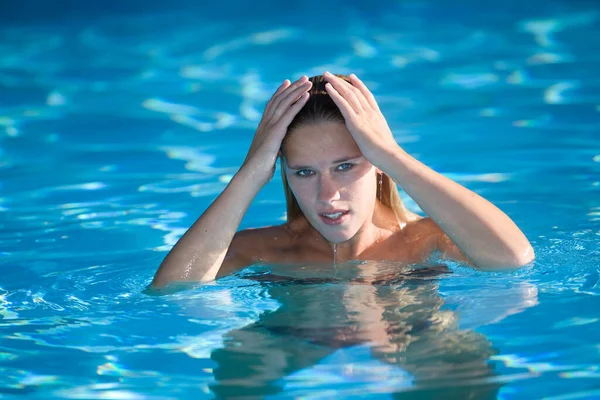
(335, 260)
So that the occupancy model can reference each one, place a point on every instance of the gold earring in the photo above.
(380, 186)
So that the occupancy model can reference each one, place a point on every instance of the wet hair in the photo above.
(321, 108)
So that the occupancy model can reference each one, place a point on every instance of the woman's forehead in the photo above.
(323, 141)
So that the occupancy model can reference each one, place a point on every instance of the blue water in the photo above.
(121, 122)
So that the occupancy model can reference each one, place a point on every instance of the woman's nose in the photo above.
(328, 190)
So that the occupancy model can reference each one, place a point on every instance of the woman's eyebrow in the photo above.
(347, 159)
(341, 160)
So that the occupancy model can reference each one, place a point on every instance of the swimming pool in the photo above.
(119, 124)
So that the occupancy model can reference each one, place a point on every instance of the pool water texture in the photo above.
(120, 123)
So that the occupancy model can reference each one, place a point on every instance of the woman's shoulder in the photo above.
(263, 233)
(257, 243)
(421, 229)
(421, 225)
(421, 233)
(413, 242)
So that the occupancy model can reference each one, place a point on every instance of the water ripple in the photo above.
(117, 131)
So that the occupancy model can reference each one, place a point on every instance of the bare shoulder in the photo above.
(421, 228)
(255, 243)
(419, 235)
(429, 237)
(250, 246)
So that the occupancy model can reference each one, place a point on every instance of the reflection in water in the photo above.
(396, 311)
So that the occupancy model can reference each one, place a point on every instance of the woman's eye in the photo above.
(304, 172)
(345, 167)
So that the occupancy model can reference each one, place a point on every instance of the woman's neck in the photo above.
(366, 237)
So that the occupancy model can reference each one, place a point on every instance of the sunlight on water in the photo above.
(117, 131)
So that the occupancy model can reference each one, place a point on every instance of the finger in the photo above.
(289, 98)
(345, 108)
(280, 89)
(365, 91)
(289, 115)
(293, 87)
(286, 83)
(277, 98)
(346, 90)
(356, 91)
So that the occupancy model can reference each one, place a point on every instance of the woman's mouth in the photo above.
(334, 218)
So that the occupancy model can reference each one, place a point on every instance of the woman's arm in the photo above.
(200, 253)
(484, 234)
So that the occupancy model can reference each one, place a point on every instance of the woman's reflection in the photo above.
(399, 315)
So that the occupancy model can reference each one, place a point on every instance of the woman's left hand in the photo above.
(363, 118)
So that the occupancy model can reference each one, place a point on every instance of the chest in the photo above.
(402, 249)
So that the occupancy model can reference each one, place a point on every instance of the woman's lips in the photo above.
(334, 221)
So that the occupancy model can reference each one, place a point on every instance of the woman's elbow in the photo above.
(527, 256)
(514, 260)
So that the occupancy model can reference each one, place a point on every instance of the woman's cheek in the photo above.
(358, 182)
(301, 188)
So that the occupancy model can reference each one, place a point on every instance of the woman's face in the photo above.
(334, 184)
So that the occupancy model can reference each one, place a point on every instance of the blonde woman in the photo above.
(340, 166)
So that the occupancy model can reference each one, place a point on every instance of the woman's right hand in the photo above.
(279, 112)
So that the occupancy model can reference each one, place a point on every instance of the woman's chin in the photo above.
(334, 234)
(337, 237)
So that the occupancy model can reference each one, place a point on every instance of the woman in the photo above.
(340, 164)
